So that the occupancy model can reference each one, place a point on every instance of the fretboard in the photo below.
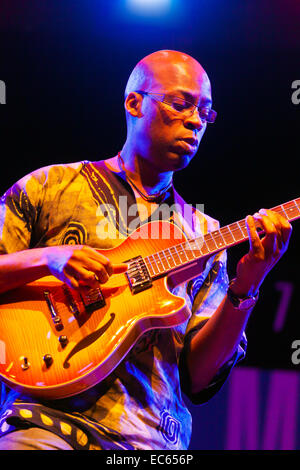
(168, 260)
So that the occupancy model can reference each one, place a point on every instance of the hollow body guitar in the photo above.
(56, 341)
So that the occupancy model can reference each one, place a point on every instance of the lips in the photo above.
(186, 145)
(191, 141)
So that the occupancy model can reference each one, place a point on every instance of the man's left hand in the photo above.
(264, 252)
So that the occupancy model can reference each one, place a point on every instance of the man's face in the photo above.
(168, 138)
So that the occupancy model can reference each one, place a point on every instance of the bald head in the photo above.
(162, 68)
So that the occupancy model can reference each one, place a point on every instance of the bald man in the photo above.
(53, 221)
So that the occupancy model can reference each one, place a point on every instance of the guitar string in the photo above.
(232, 230)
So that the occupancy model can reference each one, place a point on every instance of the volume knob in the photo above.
(25, 364)
(48, 359)
(63, 340)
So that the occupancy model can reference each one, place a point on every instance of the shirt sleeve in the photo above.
(19, 208)
(27, 207)
(206, 292)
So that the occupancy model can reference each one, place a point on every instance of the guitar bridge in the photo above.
(138, 275)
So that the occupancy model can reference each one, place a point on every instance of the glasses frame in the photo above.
(161, 97)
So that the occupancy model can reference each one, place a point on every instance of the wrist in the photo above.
(243, 289)
(239, 298)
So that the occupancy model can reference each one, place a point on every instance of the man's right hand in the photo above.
(78, 265)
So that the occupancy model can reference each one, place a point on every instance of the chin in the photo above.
(179, 162)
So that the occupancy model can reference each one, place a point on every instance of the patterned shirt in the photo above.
(140, 404)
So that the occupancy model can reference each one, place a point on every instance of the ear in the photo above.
(133, 104)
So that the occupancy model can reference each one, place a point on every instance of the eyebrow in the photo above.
(189, 97)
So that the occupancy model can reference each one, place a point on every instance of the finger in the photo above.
(86, 277)
(115, 268)
(272, 238)
(69, 279)
(120, 268)
(102, 269)
(106, 263)
(254, 240)
(99, 258)
(282, 224)
(273, 217)
(101, 272)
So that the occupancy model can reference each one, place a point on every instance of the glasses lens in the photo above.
(181, 105)
(207, 115)
(212, 115)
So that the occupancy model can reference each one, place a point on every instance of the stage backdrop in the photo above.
(257, 409)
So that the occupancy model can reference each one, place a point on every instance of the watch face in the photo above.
(247, 303)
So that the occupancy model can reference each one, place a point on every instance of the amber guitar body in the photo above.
(57, 342)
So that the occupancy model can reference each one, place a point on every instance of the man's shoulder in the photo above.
(54, 173)
(60, 168)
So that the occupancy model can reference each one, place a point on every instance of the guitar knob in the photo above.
(48, 359)
(63, 340)
(25, 364)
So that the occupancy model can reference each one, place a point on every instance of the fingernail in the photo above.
(263, 211)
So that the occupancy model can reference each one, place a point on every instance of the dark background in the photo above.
(66, 63)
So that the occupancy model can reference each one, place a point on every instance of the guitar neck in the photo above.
(168, 260)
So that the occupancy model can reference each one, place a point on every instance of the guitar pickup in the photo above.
(138, 275)
(92, 299)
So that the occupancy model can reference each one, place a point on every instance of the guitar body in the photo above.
(52, 346)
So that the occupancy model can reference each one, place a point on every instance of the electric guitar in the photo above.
(56, 341)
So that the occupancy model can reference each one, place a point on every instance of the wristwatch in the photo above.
(241, 303)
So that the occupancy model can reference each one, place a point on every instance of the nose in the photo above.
(193, 121)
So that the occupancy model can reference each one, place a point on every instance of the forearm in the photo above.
(217, 341)
(215, 344)
(22, 267)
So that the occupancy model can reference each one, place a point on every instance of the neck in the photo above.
(143, 173)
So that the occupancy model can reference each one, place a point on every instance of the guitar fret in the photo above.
(195, 247)
(297, 203)
(210, 242)
(189, 250)
(176, 256)
(291, 209)
(159, 263)
(165, 258)
(203, 246)
(170, 257)
(227, 235)
(149, 266)
(182, 250)
(218, 239)
(284, 213)
(243, 228)
(236, 231)
(154, 261)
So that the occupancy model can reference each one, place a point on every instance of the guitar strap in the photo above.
(190, 219)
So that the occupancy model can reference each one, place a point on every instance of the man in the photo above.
(54, 212)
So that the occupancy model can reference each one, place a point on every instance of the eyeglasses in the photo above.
(182, 106)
